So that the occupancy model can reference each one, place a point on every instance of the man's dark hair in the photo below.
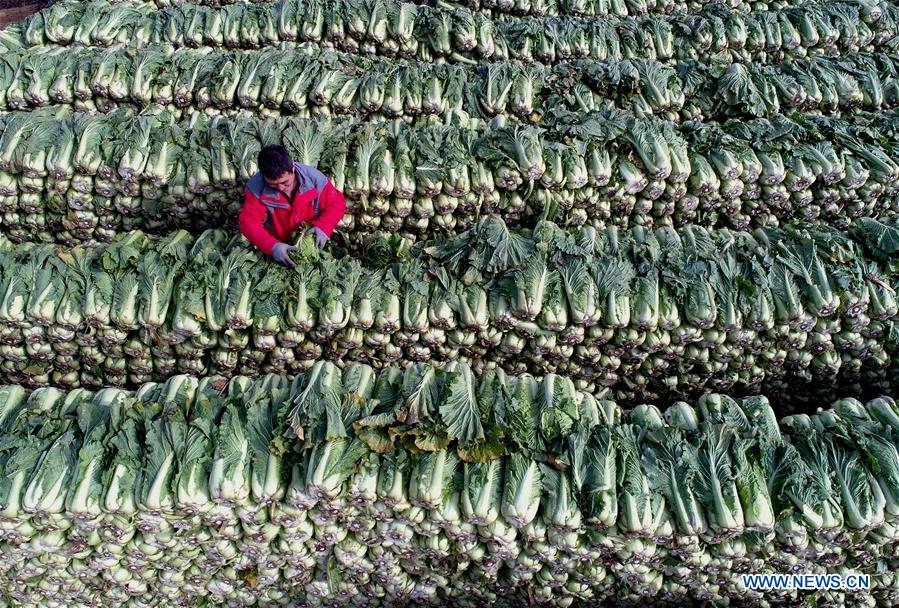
(274, 161)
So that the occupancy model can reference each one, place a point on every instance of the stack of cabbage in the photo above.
(558, 212)
(423, 120)
(646, 312)
(311, 82)
(392, 28)
(74, 178)
(414, 486)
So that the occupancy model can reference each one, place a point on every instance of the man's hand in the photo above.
(321, 239)
(280, 253)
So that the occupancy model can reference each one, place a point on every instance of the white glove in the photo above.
(321, 239)
(280, 253)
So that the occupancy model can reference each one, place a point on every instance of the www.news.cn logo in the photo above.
(810, 582)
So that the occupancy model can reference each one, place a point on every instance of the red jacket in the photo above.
(268, 217)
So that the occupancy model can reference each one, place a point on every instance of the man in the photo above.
(283, 195)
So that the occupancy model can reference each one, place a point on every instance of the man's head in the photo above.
(276, 167)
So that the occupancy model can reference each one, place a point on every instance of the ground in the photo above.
(16, 10)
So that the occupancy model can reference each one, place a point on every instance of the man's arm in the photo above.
(252, 220)
(332, 206)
